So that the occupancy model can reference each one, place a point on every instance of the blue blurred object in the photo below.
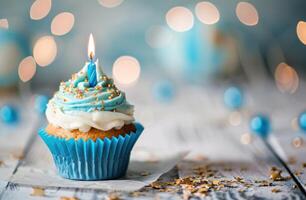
(302, 121)
(9, 114)
(195, 56)
(41, 102)
(233, 97)
(164, 91)
(260, 125)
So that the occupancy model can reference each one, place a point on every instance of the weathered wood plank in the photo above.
(251, 162)
(198, 120)
(14, 139)
(293, 143)
(220, 143)
(21, 192)
(283, 110)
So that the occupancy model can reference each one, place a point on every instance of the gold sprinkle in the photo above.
(98, 87)
(156, 185)
(69, 198)
(104, 78)
(263, 183)
(152, 160)
(215, 182)
(37, 191)
(292, 160)
(238, 178)
(242, 190)
(276, 174)
(298, 173)
(203, 190)
(275, 190)
(113, 196)
(135, 194)
(144, 174)
(297, 142)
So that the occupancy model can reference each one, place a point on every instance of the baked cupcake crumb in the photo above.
(93, 133)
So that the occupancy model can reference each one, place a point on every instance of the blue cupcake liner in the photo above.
(92, 160)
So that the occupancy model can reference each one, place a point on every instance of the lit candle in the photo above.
(91, 68)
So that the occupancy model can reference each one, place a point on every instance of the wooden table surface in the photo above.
(236, 164)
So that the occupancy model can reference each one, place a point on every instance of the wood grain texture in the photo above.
(197, 120)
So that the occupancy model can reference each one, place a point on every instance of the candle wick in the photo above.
(91, 56)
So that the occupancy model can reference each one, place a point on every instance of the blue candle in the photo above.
(91, 67)
(92, 74)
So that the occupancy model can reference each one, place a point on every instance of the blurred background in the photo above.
(195, 70)
(192, 42)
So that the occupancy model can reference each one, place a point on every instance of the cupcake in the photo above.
(91, 128)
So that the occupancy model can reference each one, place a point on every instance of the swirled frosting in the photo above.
(78, 106)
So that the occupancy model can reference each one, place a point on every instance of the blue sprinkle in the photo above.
(233, 98)
(302, 121)
(260, 125)
(9, 114)
(164, 91)
(41, 102)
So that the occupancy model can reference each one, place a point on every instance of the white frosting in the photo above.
(84, 121)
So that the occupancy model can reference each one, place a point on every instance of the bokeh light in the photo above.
(9, 114)
(4, 23)
(158, 37)
(246, 138)
(110, 3)
(233, 97)
(45, 50)
(27, 69)
(207, 12)
(247, 13)
(62, 23)
(235, 118)
(301, 31)
(40, 9)
(126, 70)
(286, 78)
(180, 19)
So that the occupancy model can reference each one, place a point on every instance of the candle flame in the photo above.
(91, 47)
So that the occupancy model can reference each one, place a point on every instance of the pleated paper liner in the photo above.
(88, 160)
